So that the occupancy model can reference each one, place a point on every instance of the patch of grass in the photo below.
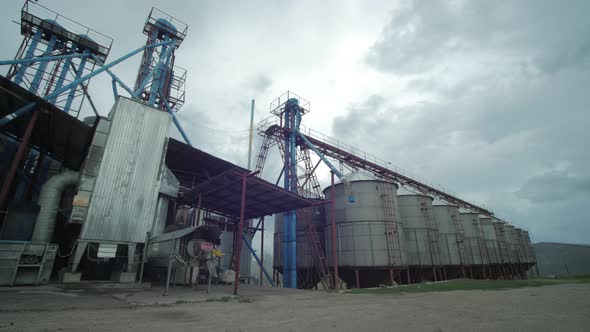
(468, 284)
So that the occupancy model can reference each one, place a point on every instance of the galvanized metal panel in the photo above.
(365, 236)
(421, 237)
(305, 254)
(446, 219)
(169, 185)
(123, 203)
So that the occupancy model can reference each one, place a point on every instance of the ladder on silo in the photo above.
(392, 236)
(460, 238)
(319, 259)
(432, 235)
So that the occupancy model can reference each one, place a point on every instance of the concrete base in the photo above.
(70, 277)
(124, 277)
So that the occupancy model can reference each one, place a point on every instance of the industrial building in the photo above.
(114, 197)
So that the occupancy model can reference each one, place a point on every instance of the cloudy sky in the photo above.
(487, 98)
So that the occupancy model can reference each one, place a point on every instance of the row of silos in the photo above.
(385, 238)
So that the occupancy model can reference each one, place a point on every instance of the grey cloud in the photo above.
(553, 186)
(260, 83)
(425, 34)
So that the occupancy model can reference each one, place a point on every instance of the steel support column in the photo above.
(240, 232)
(333, 222)
(18, 156)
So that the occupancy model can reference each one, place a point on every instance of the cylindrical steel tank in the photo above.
(503, 250)
(452, 250)
(490, 240)
(368, 230)
(520, 246)
(531, 259)
(308, 221)
(474, 247)
(421, 236)
(511, 243)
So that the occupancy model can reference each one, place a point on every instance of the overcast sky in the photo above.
(487, 98)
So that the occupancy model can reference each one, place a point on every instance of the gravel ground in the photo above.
(549, 308)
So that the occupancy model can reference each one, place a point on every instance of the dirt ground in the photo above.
(548, 308)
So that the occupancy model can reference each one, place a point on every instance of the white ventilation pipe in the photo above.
(49, 199)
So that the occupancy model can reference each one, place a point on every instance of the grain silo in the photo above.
(474, 246)
(504, 253)
(369, 242)
(421, 236)
(450, 231)
(491, 246)
(309, 237)
(512, 241)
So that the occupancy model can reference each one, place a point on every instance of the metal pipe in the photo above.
(18, 156)
(27, 108)
(199, 209)
(249, 245)
(334, 255)
(42, 66)
(251, 135)
(31, 61)
(49, 199)
(153, 71)
(261, 250)
(177, 124)
(241, 232)
(20, 73)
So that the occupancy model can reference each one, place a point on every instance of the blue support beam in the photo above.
(31, 61)
(268, 277)
(176, 123)
(20, 74)
(25, 109)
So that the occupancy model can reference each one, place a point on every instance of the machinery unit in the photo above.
(183, 255)
(119, 198)
(25, 263)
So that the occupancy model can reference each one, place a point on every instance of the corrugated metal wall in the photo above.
(123, 203)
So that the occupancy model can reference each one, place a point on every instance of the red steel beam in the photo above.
(18, 156)
(381, 171)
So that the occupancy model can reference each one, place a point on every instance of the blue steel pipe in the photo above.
(25, 109)
(30, 52)
(152, 72)
(268, 277)
(176, 123)
(42, 66)
(72, 93)
(61, 78)
(158, 77)
(31, 61)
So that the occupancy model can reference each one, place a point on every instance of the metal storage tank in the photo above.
(490, 240)
(473, 239)
(503, 250)
(369, 234)
(422, 245)
(305, 219)
(511, 243)
(521, 246)
(531, 259)
(452, 250)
